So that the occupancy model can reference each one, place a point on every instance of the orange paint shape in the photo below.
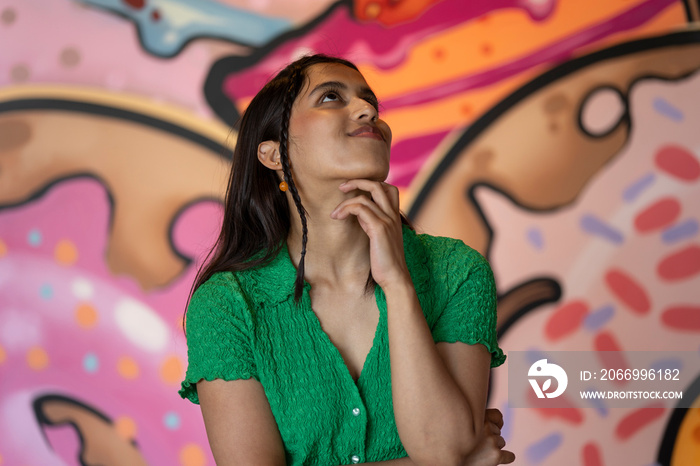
(65, 252)
(509, 35)
(3, 248)
(125, 427)
(37, 358)
(127, 368)
(192, 455)
(86, 315)
(172, 370)
(3, 355)
(422, 70)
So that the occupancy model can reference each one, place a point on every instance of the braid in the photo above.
(289, 98)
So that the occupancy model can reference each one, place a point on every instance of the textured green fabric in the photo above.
(246, 324)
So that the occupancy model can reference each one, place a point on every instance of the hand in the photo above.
(489, 451)
(380, 219)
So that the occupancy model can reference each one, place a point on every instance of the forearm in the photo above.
(433, 417)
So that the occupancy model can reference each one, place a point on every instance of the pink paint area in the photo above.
(73, 329)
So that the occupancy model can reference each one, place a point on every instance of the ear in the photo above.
(269, 154)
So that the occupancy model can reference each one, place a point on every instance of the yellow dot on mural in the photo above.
(125, 427)
(372, 10)
(192, 455)
(127, 368)
(171, 371)
(66, 253)
(3, 248)
(37, 358)
(86, 315)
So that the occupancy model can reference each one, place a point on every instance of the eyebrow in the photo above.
(364, 91)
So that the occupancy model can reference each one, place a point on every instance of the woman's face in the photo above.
(335, 133)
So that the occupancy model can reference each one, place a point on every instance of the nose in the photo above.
(364, 110)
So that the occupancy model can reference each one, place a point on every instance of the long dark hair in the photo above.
(256, 213)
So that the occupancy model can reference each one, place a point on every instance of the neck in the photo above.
(337, 251)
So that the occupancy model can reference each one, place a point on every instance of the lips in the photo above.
(369, 132)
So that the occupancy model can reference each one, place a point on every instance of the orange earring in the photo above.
(284, 186)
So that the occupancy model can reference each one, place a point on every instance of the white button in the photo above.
(355, 459)
(356, 411)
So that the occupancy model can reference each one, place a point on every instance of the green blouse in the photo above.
(246, 324)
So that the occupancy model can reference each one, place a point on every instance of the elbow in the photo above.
(443, 451)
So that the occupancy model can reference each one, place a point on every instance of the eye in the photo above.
(330, 96)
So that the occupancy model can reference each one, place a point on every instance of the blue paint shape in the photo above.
(507, 429)
(593, 225)
(46, 291)
(633, 191)
(667, 363)
(91, 363)
(171, 420)
(535, 354)
(598, 317)
(666, 108)
(684, 230)
(534, 236)
(540, 450)
(598, 404)
(34, 237)
(181, 21)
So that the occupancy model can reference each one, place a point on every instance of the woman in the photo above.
(323, 330)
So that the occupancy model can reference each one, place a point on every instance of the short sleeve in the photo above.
(470, 313)
(219, 340)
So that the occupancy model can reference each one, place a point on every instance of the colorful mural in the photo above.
(557, 137)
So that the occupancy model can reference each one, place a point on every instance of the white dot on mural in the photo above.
(141, 325)
(82, 289)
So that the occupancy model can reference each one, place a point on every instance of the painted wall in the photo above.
(558, 137)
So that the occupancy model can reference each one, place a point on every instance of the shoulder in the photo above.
(440, 252)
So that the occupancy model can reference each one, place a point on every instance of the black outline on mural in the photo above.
(673, 426)
(692, 10)
(281, 38)
(546, 78)
(42, 420)
(218, 101)
(624, 118)
(119, 113)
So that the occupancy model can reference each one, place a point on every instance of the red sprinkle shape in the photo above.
(636, 420)
(681, 264)
(610, 353)
(658, 215)
(136, 4)
(591, 455)
(628, 291)
(685, 318)
(679, 162)
(155, 15)
(565, 410)
(565, 320)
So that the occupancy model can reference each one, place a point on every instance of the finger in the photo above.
(494, 415)
(368, 218)
(342, 211)
(377, 191)
(507, 457)
(392, 193)
(493, 428)
(500, 441)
